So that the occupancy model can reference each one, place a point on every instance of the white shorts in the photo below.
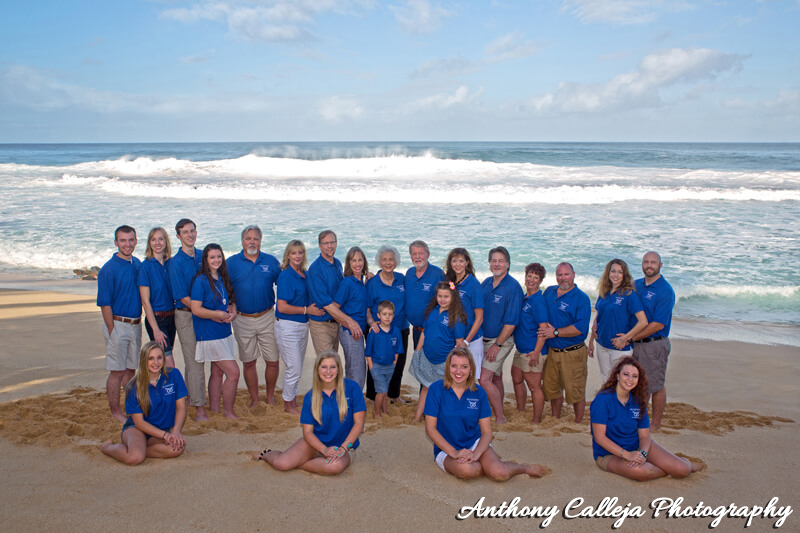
(441, 456)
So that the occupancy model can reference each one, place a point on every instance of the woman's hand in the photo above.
(619, 341)
(175, 440)
(220, 316)
(634, 459)
(334, 453)
(160, 337)
(313, 310)
(533, 358)
(464, 456)
(461, 343)
(590, 349)
(375, 327)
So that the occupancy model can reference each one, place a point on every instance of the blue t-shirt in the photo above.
(419, 292)
(293, 289)
(253, 282)
(457, 419)
(471, 298)
(206, 329)
(323, 280)
(622, 421)
(163, 396)
(658, 299)
(571, 309)
(332, 431)
(383, 346)
(117, 287)
(182, 270)
(616, 313)
(501, 305)
(532, 313)
(440, 338)
(352, 299)
(378, 291)
(154, 275)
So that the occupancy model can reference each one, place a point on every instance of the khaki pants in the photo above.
(324, 336)
(195, 372)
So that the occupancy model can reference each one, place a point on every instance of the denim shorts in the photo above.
(381, 375)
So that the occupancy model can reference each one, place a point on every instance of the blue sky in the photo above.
(404, 70)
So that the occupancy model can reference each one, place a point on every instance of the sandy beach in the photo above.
(733, 406)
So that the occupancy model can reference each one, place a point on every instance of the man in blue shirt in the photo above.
(253, 274)
(651, 346)
(569, 310)
(420, 284)
(502, 301)
(324, 276)
(121, 307)
(183, 268)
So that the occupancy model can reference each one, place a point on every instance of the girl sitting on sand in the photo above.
(445, 326)
(332, 417)
(458, 421)
(153, 428)
(621, 429)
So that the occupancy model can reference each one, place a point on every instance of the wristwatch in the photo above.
(555, 333)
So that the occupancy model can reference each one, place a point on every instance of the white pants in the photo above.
(292, 340)
(476, 347)
(607, 358)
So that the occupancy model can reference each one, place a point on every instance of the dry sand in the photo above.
(732, 406)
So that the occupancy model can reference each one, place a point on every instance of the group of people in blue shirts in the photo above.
(463, 331)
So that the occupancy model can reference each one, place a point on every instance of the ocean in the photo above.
(724, 217)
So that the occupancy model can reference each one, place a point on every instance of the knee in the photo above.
(486, 378)
(282, 464)
(134, 458)
(683, 469)
(332, 469)
(469, 471)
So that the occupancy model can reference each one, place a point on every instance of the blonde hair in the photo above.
(604, 286)
(459, 351)
(141, 380)
(316, 387)
(292, 246)
(148, 251)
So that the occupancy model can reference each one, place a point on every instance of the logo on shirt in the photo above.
(401, 288)
(445, 321)
(462, 293)
(394, 341)
(426, 287)
(264, 268)
(563, 306)
(650, 295)
(498, 298)
(472, 403)
(526, 306)
(169, 388)
(618, 300)
(635, 413)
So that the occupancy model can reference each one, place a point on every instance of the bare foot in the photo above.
(231, 416)
(500, 421)
(696, 467)
(271, 400)
(378, 414)
(104, 447)
(292, 410)
(536, 470)
(119, 417)
(398, 400)
(201, 415)
(253, 403)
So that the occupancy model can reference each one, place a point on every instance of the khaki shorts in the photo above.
(603, 461)
(122, 346)
(565, 371)
(255, 337)
(523, 362)
(654, 357)
(496, 366)
(324, 335)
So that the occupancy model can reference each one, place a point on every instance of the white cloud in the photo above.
(272, 21)
(419, 16)
(623, 11)
(509, 47)
(461, 96)
(338, 108)
(640, 88)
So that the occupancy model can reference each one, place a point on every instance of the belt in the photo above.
(127, 320)
(569, 348)
(650, 339)
(164, 314)
(418, 329)
(184, 309)
(256, 315)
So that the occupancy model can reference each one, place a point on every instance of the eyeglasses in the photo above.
(327, 243)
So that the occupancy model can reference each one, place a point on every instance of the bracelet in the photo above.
(305, 310)
(621, 452)
(644, 453)
(349, 445)
(165, 435)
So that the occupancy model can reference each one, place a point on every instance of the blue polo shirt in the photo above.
(571, 309)
(206, 329)
(323, 280)
(383, 346)
(182, 270)
(457, 419)
(163, 396)
(293, 289)
(532, 313)
(622, 421)
(616, 313)
(253, 282)
(419, 292)
(155, 276)
(471, 298)
(352, 299)
(440, 338)
(658, 299)
(501, 304)
(378, 291)
(332, 431)
(117, 287)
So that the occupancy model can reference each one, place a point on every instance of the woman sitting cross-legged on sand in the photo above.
(332, 417)
(153, 428)
(458, 421)
(621, 429)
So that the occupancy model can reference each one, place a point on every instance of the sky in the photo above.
(402, 70)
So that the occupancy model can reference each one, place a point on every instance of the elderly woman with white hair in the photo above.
(388, 285)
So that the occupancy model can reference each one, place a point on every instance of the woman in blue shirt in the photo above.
(458, 421)
(154, 288)
(620, 317)
(213, 310)
(351, 298)
(621, 440)
(333, 417)
(155, 400)
(459, 270)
